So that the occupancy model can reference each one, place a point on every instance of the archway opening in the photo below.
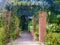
(24, 23)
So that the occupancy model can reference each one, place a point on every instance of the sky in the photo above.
(0, 0)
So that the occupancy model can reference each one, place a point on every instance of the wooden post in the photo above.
(42, 26)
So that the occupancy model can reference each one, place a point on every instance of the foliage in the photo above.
(13, 27)
(30, 25)
(33, 25)
(2, 30)
(53, 28)
(2, 36)
(36, 32)
(53, 39)
(8, 31)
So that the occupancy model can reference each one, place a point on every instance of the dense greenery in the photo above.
(30, 25)
(9, 29)
(2, 30)
(33, 26)
(53, 29)
(53, 38)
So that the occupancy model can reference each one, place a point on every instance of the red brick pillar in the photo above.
(42, 26)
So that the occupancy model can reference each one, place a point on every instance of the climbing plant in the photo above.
(9, 27)
(2, 30)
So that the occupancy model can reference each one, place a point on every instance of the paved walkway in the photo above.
(25, 39)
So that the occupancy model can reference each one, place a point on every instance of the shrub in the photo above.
(2, 30)
(53, 28)
(14, 27)
(53, 34)
(30, 25)
(53, 39)
(36, 32)
(8, 31)
(2, 36)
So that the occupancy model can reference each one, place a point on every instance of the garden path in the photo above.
(25, 39)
